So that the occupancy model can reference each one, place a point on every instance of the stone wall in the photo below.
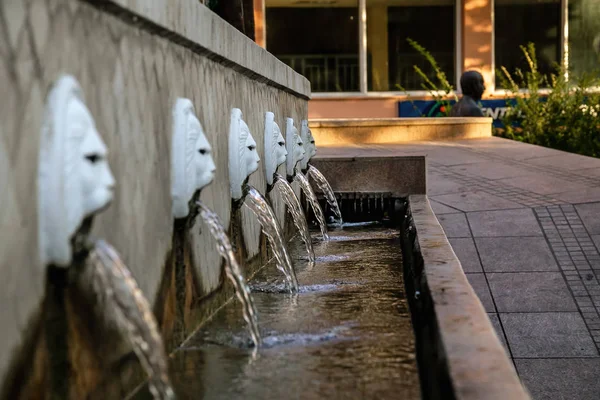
(132, 59)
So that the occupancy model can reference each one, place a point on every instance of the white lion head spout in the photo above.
(294, 147)
(74, 178)
(192, 165)
(309, 145)
(243, 157)
(275, 152)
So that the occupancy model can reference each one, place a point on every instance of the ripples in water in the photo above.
(346, 335)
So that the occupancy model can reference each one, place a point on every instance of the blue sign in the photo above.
(495, 109)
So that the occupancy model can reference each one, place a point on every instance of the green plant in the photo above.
(566, 118)
(441, 90)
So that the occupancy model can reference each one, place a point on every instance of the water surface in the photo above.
(346, 335)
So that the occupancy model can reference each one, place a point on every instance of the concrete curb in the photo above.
(459, 346)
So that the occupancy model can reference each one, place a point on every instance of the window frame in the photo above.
(362, 57)
(458, 21)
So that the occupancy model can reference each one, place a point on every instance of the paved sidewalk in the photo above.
(525, 223)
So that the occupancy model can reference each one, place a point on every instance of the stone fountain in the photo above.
(74, 184)
(275, 155)
(193, 168)
(243, 161)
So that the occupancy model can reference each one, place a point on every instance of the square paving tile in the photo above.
(515, 254)
(466, 253)
(543, 184)
(531, 292)
(511, 149)
(596, 239)
(450, 155)
(520, 222)
(590, 214)
(455, 225)
(475, 201)
(498, 327)
(589, 172)
(539, 335)
(439, 208)
(480, 287)
(437, 184)
(491, 170)
(566, 162)
(554, 379)
(587, 195)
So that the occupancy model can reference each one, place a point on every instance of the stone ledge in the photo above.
(459, 341)
(191, 24)
(400, 176)
(328, 132)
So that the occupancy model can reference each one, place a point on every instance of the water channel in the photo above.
(347, 334)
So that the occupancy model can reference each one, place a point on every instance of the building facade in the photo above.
(357, 55)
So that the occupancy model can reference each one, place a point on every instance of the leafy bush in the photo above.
(567, 118)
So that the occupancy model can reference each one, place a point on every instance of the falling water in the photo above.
(257, 203)
(233, 271)
(124, 301)
(325, 187)
(297, 213)
(305, 185)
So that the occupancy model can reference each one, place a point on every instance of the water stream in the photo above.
(126, 304)
(233, 271)
(346, 335)
(325, 187)
(295, 208)
(258, 204)
(312, 199)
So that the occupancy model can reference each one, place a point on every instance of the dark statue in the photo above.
(472, 85)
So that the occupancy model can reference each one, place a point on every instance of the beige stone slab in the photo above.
(567, 162)
(543, 183)
(508, 149)
(491, 170)
(586, 195)
(475, 201)
(397, 130)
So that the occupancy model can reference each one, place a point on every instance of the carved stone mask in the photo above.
(309, 144)
(243, 157)
(294, 147)
(192, 165)
(74, 178)
(275, 152)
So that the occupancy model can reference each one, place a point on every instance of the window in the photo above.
(318, 39)
(519, 22)
(390, 57)
(584, 36)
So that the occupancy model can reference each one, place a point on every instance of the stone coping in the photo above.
(399, 175)
(476, 362)
(193, 25)
(366, 122)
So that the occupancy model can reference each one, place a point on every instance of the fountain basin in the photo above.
(347, 334)
(458, 352)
